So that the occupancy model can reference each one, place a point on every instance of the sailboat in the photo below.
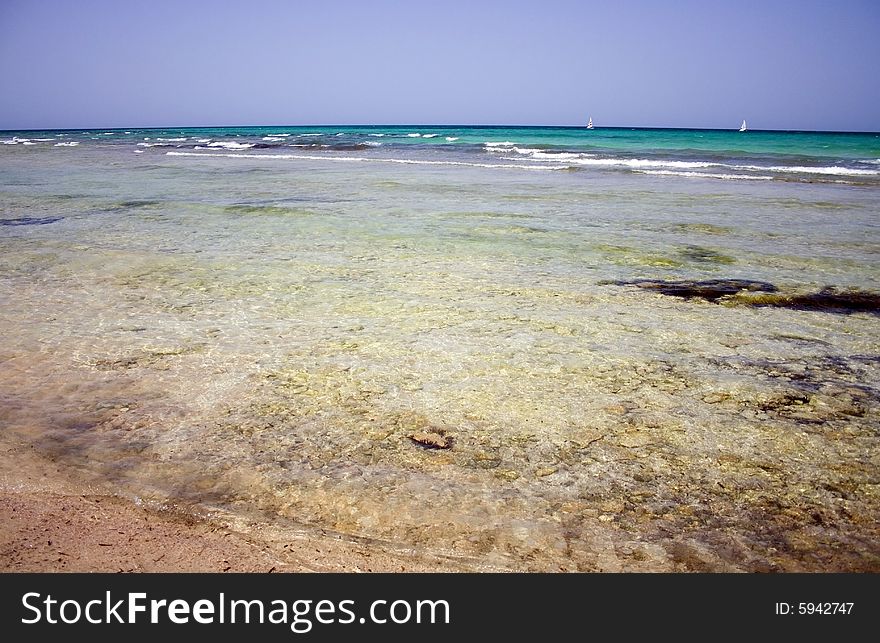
(743, 128)
(590, 124)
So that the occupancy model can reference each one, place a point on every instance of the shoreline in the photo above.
(56, 532)
(50, 521)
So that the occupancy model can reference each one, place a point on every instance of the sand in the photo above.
(53, 520)
(49, 532)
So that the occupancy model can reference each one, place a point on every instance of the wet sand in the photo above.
(51, 523)
(44, 532)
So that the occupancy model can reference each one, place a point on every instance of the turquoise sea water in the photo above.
(719, 154)
(263, 323)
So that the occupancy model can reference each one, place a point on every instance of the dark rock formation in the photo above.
(710, 289)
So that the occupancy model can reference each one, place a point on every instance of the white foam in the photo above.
(377, 135)
(834, 170)
(172, 140)
(414, 135)
(231, 145)
(451, 138)
(28, 143)
(43, 140)
(560, 156)
(279, 135)
(203, 140)
(501, 144)
(67, 144)
(363, 159)
(430, 135)
(707, 175)
(541, 155)
(649, 163)
(154, 144)
(640, 164)
(273, 139)
(635, 164)
(138, 151)
(643, 166)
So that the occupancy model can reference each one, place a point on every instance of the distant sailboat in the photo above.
(743, 128)
(590, 124)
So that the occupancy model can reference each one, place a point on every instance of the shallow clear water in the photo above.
(264, 329)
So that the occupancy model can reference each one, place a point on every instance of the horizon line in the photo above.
(439, 126)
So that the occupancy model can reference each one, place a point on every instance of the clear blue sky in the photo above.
(780, 64)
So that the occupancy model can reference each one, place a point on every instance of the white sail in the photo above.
(590, 124)
(742, 128)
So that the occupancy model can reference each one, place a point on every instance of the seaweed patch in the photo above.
(705, 255)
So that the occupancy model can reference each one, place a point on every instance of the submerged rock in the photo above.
(830, 300)
(747, 292)
(704, 255)
(29, 221)
(709, 289)
(432, 439)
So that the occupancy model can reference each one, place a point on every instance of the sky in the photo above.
(780, 64)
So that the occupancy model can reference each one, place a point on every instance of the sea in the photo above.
(500, 348)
